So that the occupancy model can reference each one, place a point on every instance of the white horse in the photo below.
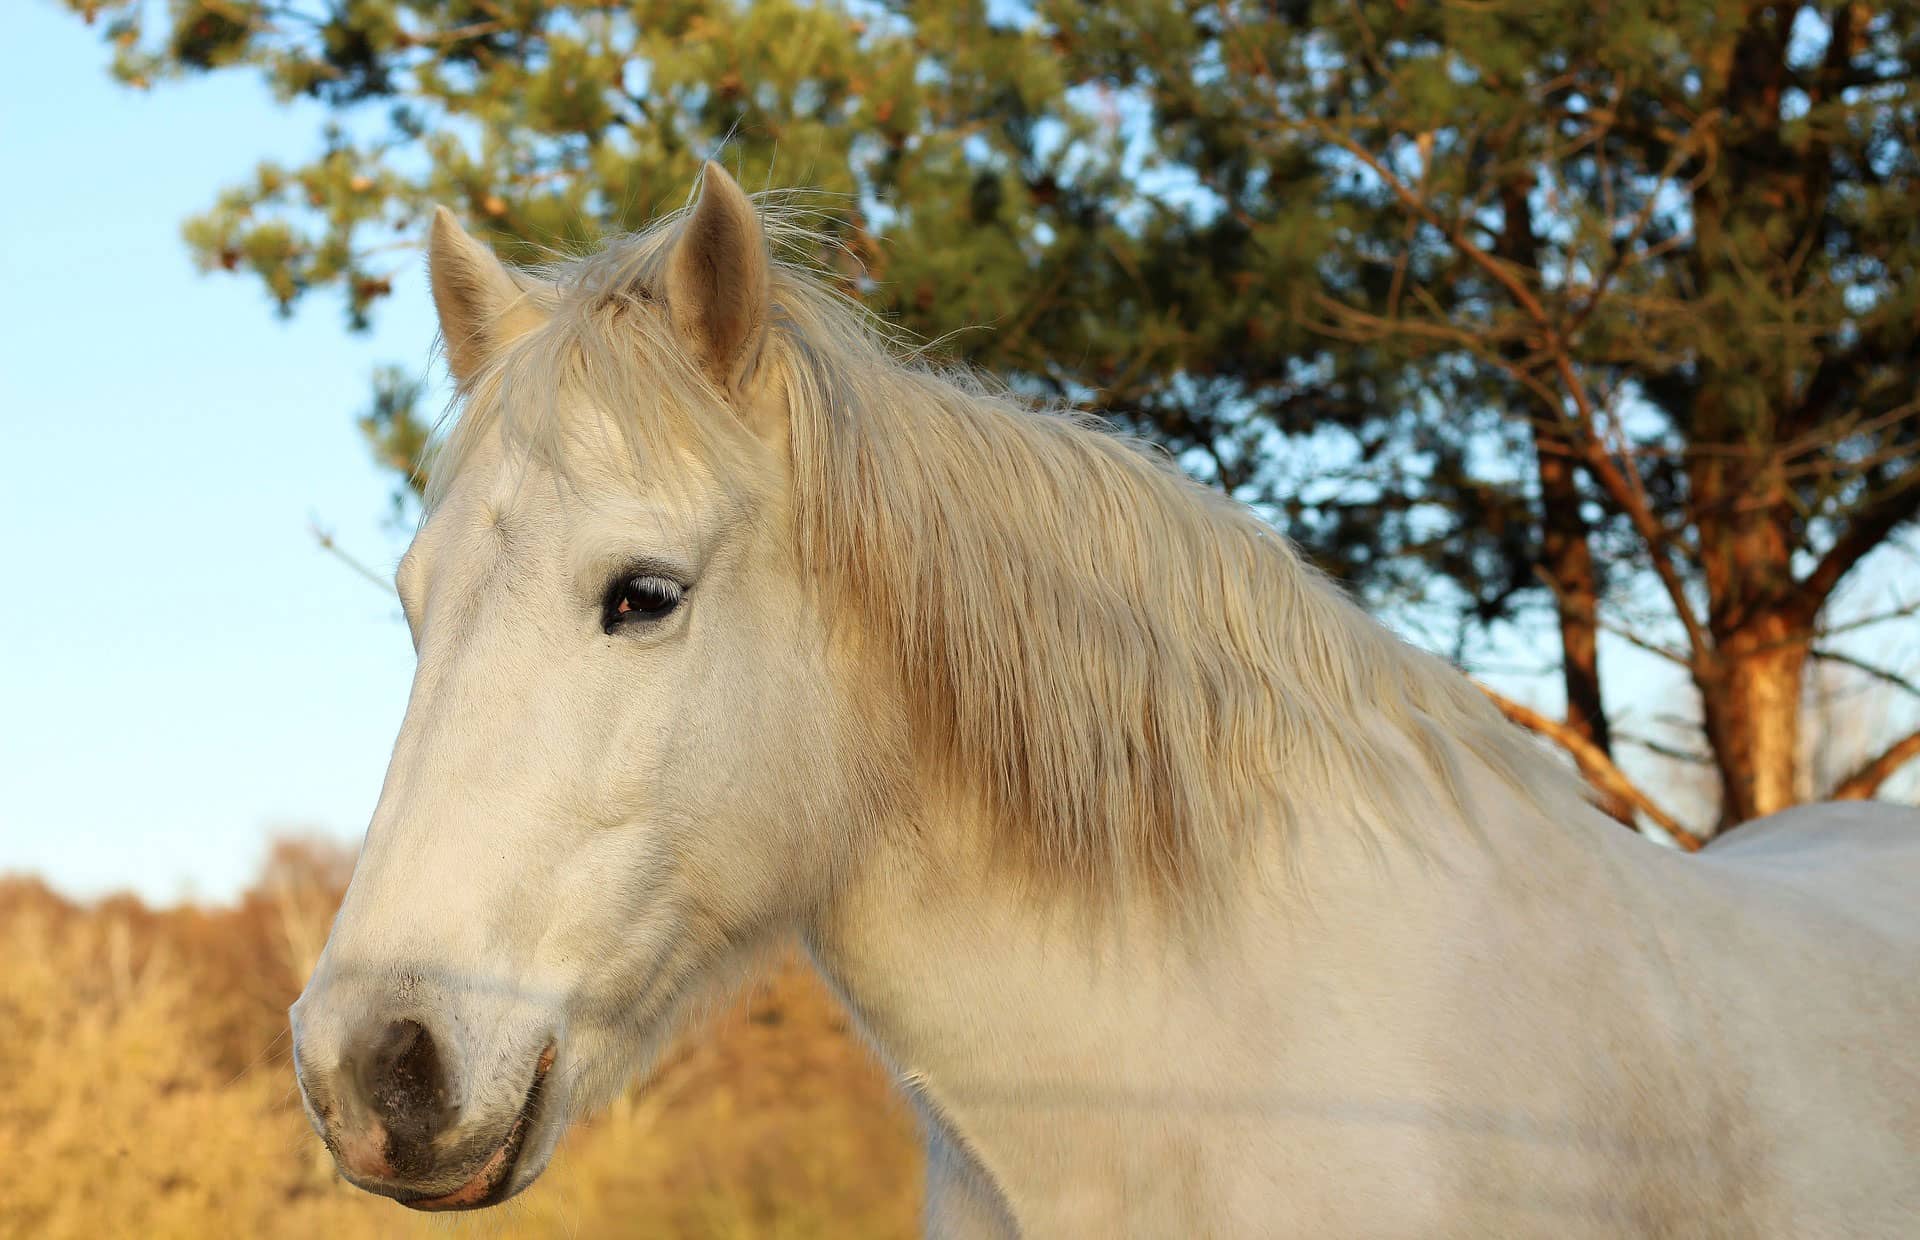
(1183, 898)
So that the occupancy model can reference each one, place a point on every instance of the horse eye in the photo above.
(644, 597)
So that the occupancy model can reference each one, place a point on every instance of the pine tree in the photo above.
(1513, 307)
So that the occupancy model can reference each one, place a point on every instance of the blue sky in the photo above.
(182, 670)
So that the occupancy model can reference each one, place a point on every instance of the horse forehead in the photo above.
(518, 502)
(523, 504)
(495, 515)
(507, 529)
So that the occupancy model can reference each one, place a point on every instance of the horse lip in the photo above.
(489, 1184)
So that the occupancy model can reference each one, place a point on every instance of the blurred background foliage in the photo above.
(145, 1090)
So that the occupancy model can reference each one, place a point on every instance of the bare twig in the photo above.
(325, 538)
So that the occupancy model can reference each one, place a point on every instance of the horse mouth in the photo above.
(490, 1185)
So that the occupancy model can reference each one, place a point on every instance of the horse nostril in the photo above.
(404, 1083)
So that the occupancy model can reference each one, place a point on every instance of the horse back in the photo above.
(1861, 859)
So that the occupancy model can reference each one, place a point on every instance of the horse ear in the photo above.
(482, 309)
(719, 283)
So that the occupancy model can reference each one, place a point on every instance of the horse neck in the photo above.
(1037, 1035)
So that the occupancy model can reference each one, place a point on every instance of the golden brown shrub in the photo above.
(145, 1090)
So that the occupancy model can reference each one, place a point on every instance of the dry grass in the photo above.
(145, 1090)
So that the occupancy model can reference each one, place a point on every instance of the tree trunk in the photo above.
(1752, 706)
(1567, 560)
(1761, 622)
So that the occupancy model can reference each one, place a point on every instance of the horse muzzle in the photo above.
(389, 1110)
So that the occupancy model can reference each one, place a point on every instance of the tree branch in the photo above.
(1867, 530)
(1900, 612)
(1647, 644)
(1595, 765)
(1629, 491)
(1623, 251)
(1664, 750)
(1624, 487)
(1863, 783)
(1861, 665)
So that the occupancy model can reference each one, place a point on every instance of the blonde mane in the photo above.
(1137, 677)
